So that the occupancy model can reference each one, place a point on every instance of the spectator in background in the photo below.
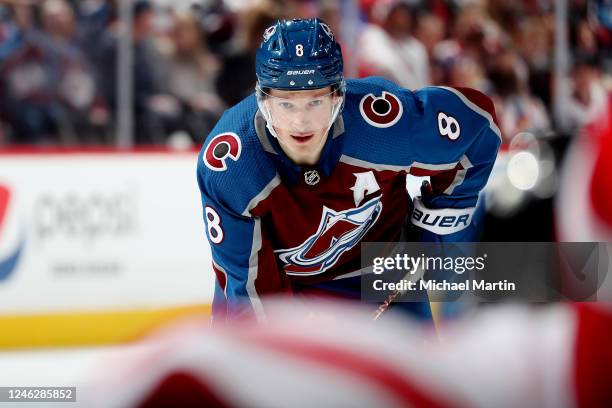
(156, 111)
(585, 96)
(11, 39)
(533, 38)
(26, 87)
(192, 70)
(389, 49)
(430, 32)
(584, 39)
(236, 79)
(474, 35)
(517, 110)
(465, 72)
(94, 17)
(217, 22)
(602, 26)
(81, 111)
(14, 23)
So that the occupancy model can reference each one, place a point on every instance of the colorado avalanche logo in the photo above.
(383, 111)
(8, 264)
(338, 232)
(221, 147)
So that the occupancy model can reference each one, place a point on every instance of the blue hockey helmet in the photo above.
(298, 55)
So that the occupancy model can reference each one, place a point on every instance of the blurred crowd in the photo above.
(192, 59)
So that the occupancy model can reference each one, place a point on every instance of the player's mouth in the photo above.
(302, 137)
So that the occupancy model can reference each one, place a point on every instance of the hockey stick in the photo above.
(384, 306)
(426, 190)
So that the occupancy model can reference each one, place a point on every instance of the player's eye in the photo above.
(315, 103)
(286, 105)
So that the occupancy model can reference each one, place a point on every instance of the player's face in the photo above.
(301, 120)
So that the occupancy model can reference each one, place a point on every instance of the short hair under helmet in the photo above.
(299, 54)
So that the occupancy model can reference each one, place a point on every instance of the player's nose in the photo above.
(301, 118)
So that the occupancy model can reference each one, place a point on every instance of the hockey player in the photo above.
(296, 176)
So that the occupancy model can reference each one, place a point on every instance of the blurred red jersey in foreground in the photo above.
(506, 356)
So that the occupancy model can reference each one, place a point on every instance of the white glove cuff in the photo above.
(441, 221)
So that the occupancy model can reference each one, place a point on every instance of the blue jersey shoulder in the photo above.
(452, 120)
(392, 126)
(378, 115)
(233, 168)
(467, 106)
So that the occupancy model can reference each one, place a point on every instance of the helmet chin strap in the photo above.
(270, 127)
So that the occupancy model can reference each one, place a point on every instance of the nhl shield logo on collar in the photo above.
(311, 177)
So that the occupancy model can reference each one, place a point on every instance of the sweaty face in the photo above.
(301, 121)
